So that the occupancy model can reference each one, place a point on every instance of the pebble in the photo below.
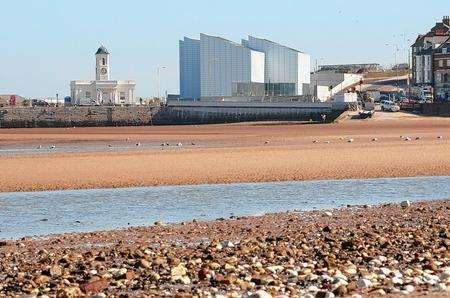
(440, 287)
(409, 288)
(93, 272)
(405, 204)
(364, 283)
(384, 271)
(397, 281)
(260, 294)
(379, 292)
(358, 251)
(227, 244)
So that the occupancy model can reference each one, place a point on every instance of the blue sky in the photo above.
(44, 44)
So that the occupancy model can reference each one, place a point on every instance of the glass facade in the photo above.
(228, 68)
(280, 89)
(213, 67)
(286, 69)
(189, 68)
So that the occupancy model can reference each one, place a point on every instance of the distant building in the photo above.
(424, 51)
(287, 70)
(401, 67)
(189, 68)
(352, 68)
(102, 91)
(441, 62)
(326, 84)
(11, 100)
(214, 68)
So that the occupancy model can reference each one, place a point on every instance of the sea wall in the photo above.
(75, 116)
(201, 112)
(436, 109)
(431, 109)
(173, 113)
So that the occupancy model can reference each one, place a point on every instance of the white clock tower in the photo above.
(102, 64)
(104, 90)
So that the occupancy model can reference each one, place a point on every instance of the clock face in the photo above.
(103, 71)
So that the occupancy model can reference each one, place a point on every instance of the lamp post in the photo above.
(396, 49)
(158, 73)
(316, 75)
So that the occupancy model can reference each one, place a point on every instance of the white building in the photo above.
(229, 69)
(326, 84)
(287, 70)
(102, 91)
(215, 68)
(190, 68)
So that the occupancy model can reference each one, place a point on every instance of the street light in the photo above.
(396, 49)
(158, 70)
(317, 76)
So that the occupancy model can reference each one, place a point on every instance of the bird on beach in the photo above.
(407, 139)
(39, 147)
(267, 142)
(350, 140)
(138, 144)
(375, 140)
(315, 141)
(52, 147)
(179, 145)
(327, 142)
(109, 145)
(418, 138)
(193, 144)
(440, 137)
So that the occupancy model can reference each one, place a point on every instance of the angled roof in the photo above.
(445, 44)
(222, 39)
(275, 43)
(102, 50)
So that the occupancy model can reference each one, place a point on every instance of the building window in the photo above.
(104, 61)
(122, 96)
(444, 50)
(88, 94)
(441, 63)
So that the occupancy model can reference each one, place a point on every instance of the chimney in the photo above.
(446, 20)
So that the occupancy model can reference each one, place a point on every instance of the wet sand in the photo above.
(390, 249)
(228, 153)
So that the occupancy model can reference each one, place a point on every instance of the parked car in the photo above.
(408, 100)
(389, 106)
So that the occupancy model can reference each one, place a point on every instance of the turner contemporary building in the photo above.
(213, 68)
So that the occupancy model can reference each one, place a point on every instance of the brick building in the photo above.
(441, 68)
(430, 62)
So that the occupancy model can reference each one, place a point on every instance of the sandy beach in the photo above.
(227, 153)
(389, 249)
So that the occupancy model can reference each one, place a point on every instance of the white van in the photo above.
(389, 106)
